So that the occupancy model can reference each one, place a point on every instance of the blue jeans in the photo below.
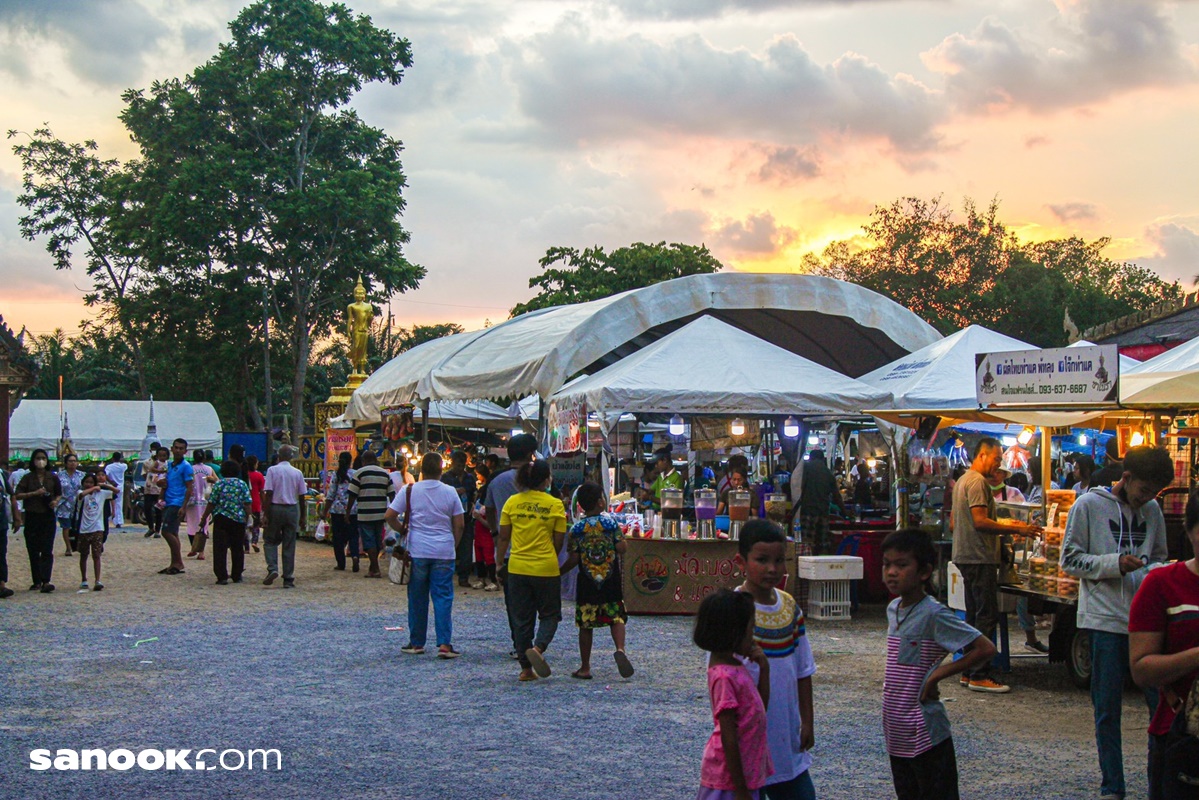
(1109, 673)
(431, 577)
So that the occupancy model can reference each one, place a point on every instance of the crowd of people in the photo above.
(1143, 622)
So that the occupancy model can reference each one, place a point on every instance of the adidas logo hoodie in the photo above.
(1101, 528)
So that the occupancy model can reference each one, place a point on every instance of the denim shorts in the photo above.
(372, 534)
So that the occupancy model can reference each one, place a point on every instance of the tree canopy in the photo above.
(592, 273)
(955, 273)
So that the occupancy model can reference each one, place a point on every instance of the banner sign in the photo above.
(712, 433)
(398, 424)
(567, 426)
(664, 576)
(336, 443)
(1061, 376)
(569, 470)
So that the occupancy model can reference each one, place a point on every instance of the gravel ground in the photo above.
(313, 673)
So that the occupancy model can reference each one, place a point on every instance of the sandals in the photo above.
(527, 675)
(578, 673)
(540, 665)
(170, 571)
(623, 665)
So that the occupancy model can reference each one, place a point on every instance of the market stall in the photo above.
(712, 369)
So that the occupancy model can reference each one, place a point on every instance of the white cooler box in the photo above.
(828, 580)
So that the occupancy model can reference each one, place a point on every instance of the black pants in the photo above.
(982, 603)
(151, 511)
(464, 554)
(344, 534)
(535, 602)
(228, 536)
(39, 541)
(3, 537)
(932, 775)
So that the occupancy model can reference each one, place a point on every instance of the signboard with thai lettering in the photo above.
(665, 576)
(1058, 376)
(567, 426)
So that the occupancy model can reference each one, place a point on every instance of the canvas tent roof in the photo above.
(709, 367)
(836, 324)
(1170, 379)
(101, 427)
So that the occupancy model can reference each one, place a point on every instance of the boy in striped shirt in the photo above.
(779, 630)
(920, 633)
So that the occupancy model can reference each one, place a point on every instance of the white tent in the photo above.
(1168, 379)
(834, 323)
(709, 367)
(1127, 363)
(101, 427)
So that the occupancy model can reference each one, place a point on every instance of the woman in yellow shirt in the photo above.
(534, 522)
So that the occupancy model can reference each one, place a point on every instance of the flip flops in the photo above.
(623, 665)
(170, 571)
(578, 673)
(540, 665)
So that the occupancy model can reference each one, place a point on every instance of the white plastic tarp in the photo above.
(833, 321)
(709, 367)
(1170, 379)
(941, 375)
(1127, 364)
(466, 414)
(101, 427)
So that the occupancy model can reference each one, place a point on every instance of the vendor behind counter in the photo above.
(667, 477)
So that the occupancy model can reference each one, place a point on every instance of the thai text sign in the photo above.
(1064, 375)
(336, 443)
(665, 576)
(567, 420)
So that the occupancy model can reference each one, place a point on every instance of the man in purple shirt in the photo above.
(283, 512)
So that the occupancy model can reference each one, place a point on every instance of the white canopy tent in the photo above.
(709, 367)
(101, 427)
(464, 414)
(1170, 379)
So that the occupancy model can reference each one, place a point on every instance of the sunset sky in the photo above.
(763, 128)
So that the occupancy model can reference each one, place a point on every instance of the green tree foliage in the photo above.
(95, 365)
(592, 273)
(955, 273)
(73, 200)
(254, 167)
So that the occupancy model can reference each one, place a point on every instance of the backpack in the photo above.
(1180, 752)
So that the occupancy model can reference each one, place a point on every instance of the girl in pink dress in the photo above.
(203, 477)
(736, 759)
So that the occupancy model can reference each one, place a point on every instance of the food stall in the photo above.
(712, 369)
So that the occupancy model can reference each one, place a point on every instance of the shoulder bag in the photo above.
(400, 569)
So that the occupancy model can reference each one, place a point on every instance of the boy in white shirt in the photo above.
(89, 521)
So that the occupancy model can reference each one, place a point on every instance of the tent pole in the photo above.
(1046, 472)
(424, 426)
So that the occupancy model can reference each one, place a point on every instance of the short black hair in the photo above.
(1192, 512)
(913, 542)
(1152, 464)
(759, 531)
(987, 443)
(816, 455)
(521, 446)
(181, 441)
(721, 621)
(230, 469)
(589, 495)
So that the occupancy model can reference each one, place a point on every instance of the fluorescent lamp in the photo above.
(737, 427)
(1008, 441)
(1026, 435)
(813, 439)
(791, 428)
(676, 425)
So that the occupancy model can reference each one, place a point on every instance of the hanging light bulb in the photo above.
(1082, 439)
(737, 427)
(1025, 436)
(1137, 439)
(676, 425)
(871, 462)
(516, 431)
(791, 427)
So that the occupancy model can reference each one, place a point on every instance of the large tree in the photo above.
(254, 168)
(955, 273)
(74, 201)
(592, 273)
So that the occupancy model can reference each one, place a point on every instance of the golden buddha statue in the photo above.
(359, 315)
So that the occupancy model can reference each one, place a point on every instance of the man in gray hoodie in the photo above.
(1112, 536)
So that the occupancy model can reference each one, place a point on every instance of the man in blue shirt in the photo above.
(177, 486)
